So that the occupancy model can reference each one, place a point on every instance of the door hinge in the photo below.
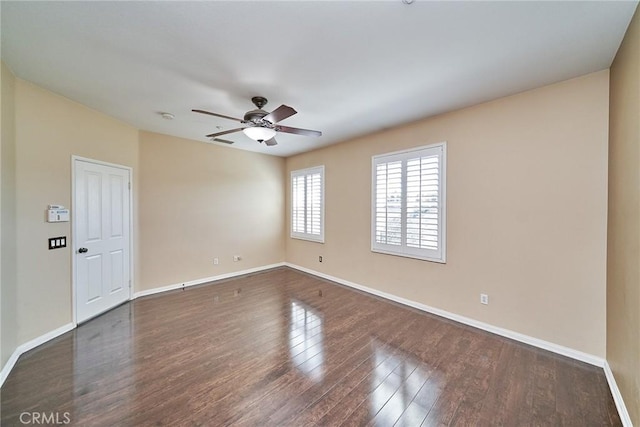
(129, 186)
(129, 282)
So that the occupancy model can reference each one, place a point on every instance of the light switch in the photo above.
(58, 242)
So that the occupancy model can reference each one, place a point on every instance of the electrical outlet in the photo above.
(484, 299)
(236, 258)
(320, 258)
(216, 261)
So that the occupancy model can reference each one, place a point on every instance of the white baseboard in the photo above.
(546, 345)
(617, 396)
(29, 345)
(205, 280)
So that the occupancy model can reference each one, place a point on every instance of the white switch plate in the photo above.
(484, 299)
(216, 261)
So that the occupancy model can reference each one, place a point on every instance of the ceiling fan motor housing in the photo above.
(255, 116)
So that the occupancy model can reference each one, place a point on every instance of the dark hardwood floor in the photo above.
(282, 348)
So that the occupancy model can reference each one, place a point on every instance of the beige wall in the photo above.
(623, 269)
(49, 130)
(527, 193)
(200, 201)
(8, 280)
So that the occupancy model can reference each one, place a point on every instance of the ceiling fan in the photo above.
(261, 125)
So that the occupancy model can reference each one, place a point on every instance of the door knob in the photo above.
(83, 250)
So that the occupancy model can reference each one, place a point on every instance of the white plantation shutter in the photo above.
(408, 212)
(298, 205)
(307, 204)
(422, 202)
(389, 203)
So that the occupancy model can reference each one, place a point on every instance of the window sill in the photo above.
(412, 256)
(313, 239)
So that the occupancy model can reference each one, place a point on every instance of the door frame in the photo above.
(74, 233)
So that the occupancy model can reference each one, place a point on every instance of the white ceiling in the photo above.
(348, 68)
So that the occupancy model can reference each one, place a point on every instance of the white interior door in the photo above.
(101, 237)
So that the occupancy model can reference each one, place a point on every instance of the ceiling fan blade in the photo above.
(298, 131)
(213, 135)
(218, 115)
(271, 142)
(280, 113)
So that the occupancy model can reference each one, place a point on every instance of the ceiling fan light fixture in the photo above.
(258, 133)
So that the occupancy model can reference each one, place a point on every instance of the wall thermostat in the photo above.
(57, 213)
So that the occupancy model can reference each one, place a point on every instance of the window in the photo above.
(307, 204)
(408, 203)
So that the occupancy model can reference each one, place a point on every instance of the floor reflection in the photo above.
(103, 349)
(306, 344)
(403, 386)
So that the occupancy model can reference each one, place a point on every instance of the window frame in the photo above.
(308, 236)
(403, 250)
